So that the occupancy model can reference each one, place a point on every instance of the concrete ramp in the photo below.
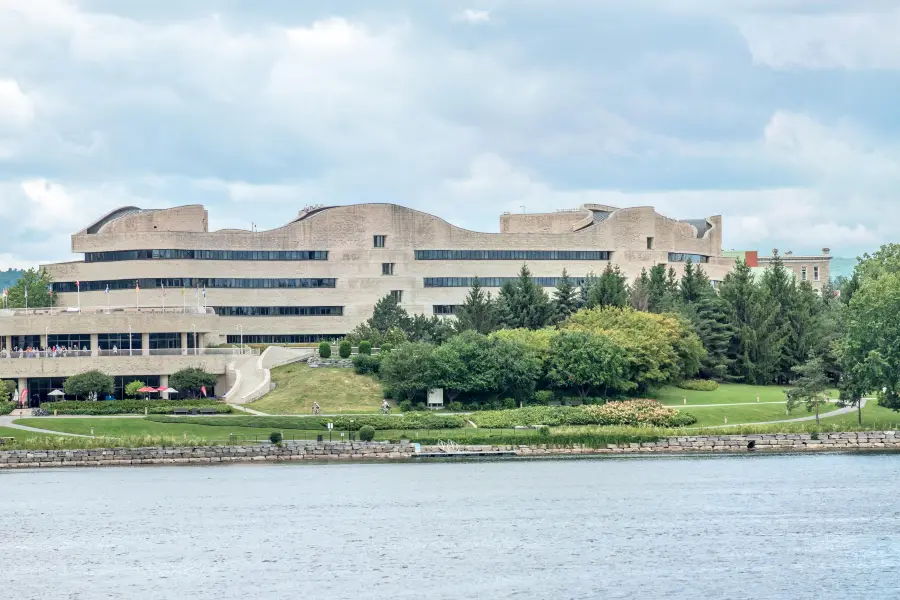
(252, 376)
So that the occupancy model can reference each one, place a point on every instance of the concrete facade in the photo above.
(363, 270)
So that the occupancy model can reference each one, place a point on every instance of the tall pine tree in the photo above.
(524, 304)
(565, 298)
(782, 291)
(657, 291)
(478, 312)
(610, 290)
(640, 292)
(710, 318)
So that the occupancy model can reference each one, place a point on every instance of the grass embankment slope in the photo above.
(336, 390)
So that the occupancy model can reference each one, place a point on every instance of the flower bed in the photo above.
(630, 412)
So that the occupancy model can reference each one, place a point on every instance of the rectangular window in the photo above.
(684, 257)
(802, 273)
(279, 311)
(165, 341)
(397, 295)
(445, 309)
(379, 241)
(649, 243)
(512, 254)
(432, 282)
(387, 268)
(285, 338)
(191, 284)
(816, 273)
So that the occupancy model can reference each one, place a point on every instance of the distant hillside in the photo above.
(842, 266)
(9, 278)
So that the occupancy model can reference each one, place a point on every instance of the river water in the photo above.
(762, 527)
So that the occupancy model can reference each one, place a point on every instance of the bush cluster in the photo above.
(124, 407)
(365, 347)
(366, 433)
(631, 412)
(366, 364)
(324, 350)
(414, 420)
(6, 407)
(344, 349)
(699, 385)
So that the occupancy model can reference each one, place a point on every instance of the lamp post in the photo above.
(194, 331)
(47, 340)
(129, 341)
(241, 331)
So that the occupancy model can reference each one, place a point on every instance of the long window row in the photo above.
(512, 254)
(279, 311)
(285, 338)
(683, 257)
(445, 309)
(190, 282)
(493, 281)
(117, 255)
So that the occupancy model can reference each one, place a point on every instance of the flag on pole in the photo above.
(203, 390)
(163, 288)
(107, 289)
(137, 285)
(24, 396)
(78, 285)
(182, 290)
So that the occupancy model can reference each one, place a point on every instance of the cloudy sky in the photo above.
(779, 114)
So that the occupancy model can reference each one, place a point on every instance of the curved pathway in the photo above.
(8, 422)
(828, 415)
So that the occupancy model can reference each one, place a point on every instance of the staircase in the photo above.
(252, 377)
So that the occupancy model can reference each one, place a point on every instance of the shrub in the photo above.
(420, 407)
(275, 437)
(542, 398)
(385, 348)
(544, 430)
(89, 383)
(366, 433)
(131, 390)
(405, 406)
(191, 381)
(344, 349)
(455, 406)
(324, 350)
(365, 347)
(508, 403)
(631, 412)
(366, 364)
(125, 407)
(6, 407)
(412, 420)
(699, 385)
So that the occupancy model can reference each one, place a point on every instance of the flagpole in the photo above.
(78, 294)
(164, 297)
(183, 301)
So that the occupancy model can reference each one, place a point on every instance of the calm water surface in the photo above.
(762, 527)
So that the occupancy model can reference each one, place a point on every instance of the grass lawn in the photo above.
(748, 413)
(336, 391)
(874, 416)
(728, 393)
(16, 433)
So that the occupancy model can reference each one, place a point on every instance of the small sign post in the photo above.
(330, 427)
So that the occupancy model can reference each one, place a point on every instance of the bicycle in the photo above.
(316, 410)
(385, 410)
(39, 412)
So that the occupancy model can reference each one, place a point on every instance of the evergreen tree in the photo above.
(640, 292)
(810, 386)
(478, 312)
(672, 283)
(782, 290)
(610, 290)
(694, 283)
(710, 318)
(584, 290)
(388, 314)
(657, 291)
(565, 298)
(524, 303)
(849, 288)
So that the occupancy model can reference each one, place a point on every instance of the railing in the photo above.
(126, 352)
(106, 310)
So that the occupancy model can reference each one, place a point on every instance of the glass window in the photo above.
(684, 257)
(160, 341)
(278, 311)
(802, 273)
(397, 295)
(649, 243)
(491, 281)
(61, 287)
(816, 273)
(285, 338)
(118, 255)
(445, 309)
(387, 268)
(70, 340)
(379, 241)
(106, 341)
(512, 254)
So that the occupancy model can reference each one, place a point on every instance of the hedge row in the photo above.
(553, 440)
(124, 407)
(699, 385)
(630, 412)
(341, 423)
(7, 407)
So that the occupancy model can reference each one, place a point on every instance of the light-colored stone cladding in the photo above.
(122, 364)
(96, 320)
(347, 233)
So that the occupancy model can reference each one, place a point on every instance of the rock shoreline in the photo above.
(381, 451)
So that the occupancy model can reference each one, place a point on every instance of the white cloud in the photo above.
(475, 17)
(16, 108)
(867, 40)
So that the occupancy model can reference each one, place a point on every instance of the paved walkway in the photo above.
(7, 421)
(828, 415)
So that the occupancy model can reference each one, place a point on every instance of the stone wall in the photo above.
(205, 454)
(302, 451)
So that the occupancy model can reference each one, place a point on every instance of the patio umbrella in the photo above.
(56, 393)
(146, 390)
(171, 391)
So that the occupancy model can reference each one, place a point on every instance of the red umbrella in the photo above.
(147, 389)
(162, 388)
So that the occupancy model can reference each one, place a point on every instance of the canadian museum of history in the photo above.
(153, 290)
